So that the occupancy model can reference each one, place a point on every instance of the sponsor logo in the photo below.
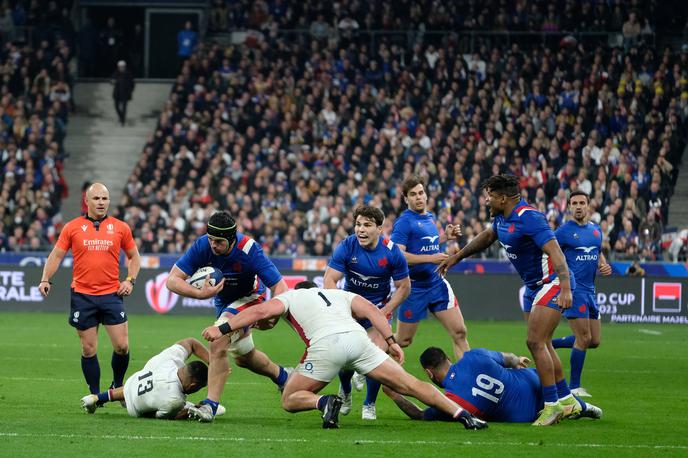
(596, 233)
(363, 281)
(84, 227)
(354, 260)
(506, 249)
(13, 287)
(76, 317)
(159, 298)
(98, 245)
(666, 297)
(587, 256)
(430, 238)
(383, 262)
(587, 249)
(429, 248)
(512, 228)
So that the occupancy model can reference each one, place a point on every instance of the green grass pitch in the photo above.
(638, 376)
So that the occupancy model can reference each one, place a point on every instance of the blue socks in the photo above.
(562, 388)
(282, 377)
(582, 403)
(213, 405)
(564, 342)
(119, 363)
(91, 370)
(104, 397)
(322, 402)
(345, 380)
(577, 360)
(549, 394)
(372, 389)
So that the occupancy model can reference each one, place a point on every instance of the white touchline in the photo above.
(650, 331)
(349, 441)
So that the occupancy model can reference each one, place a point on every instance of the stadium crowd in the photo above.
(35, 100)
(291, 139)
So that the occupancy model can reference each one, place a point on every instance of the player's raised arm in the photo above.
(195, 347)
(558, 259)
(51, 265)
(364, 309)
(482, 241)
(272, 308)
(176, 282)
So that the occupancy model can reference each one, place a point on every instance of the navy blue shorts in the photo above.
(88, 311)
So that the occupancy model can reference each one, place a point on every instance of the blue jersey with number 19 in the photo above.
(581, 246)
(481, 384)
(367, 272)
(418, 233)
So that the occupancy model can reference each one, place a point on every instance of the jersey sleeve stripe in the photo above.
(388, 243)
(521, 210)
(463, 403)
(246, 244)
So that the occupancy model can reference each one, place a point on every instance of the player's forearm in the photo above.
(331, 278)
(562, 269)
(414, 259)
(279, 288)
(179, 286)
(413, 411)
(403, 289)
(200, 350)
(134, 265)
(479, 243)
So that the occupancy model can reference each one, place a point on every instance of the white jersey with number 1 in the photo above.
(315, 313)
(156, 387)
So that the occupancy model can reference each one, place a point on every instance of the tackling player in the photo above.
(247, 271)
(491, 385)
(323, 318)
(159, 389)
(535, 254)
(368, 262)
(415, 233)
(581, 242)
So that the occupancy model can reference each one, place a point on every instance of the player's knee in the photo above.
(404, 341)
(594, 343)
(534, 345)
(89, 350)
(287, 405)
(243, 360)
(459, 334)
(121, 348)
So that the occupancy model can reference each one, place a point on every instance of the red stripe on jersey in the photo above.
(297, 327)
(524, 207)
(257, 301)
(242, 243)
(305, 355)
(463, 403)
(385, 242)
(549, 295)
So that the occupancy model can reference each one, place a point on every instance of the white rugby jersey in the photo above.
(156, 387)
(315, 313)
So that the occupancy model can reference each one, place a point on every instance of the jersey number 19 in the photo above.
(488, 384)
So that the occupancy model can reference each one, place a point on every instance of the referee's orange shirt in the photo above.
(96, 253)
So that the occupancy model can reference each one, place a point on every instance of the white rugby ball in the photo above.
(198, 278)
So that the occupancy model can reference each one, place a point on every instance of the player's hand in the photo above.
(523, 362)
(470, 421)
(564, 300)
(44, 287)
(605, 269)
(446, 264)
(207, 290)
(211, 333)
(387, 312)
(396, 353)
(453, 231)
(125, 288)
(438, 258)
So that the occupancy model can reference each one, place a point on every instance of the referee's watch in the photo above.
(131, 280)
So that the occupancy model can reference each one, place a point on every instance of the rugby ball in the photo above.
(198, 278)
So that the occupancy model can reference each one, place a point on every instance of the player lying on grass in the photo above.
(159, 389)
(323, 318)
(491, 385)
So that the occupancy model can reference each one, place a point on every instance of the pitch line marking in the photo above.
(650, 331)
(347, 442)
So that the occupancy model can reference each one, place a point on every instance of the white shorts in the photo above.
(346, 350)
(240, 340)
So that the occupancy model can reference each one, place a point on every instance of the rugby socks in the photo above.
(345, 380)
(105, 396)
(91, 370)
(564, 342)
(213, 405)
(282, 377)
(549, 393)
(577, 360)
(584, 406)
(322, 402)
(562, 389)
(372, 389)
(119, 363)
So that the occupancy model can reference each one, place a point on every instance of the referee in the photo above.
(97, 293)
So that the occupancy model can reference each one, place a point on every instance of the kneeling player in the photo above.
(159, 389)
(323, 318)
(491, 385)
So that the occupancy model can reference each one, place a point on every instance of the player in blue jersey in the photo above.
(415, 233)
(368, 262)
(534, 252)
(581, 242)
(491, 385)
(247, 272)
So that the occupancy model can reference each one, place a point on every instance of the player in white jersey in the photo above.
(159, 389)
(323, 318)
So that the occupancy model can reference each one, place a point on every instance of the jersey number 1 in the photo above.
(145, 387)
(489, 384)
(327, 301)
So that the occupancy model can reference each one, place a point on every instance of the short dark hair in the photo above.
(578, 192)
(370, 212)
(410, 183)
(198, 373)
(432, 358)
(306, 284)
(503, 184)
